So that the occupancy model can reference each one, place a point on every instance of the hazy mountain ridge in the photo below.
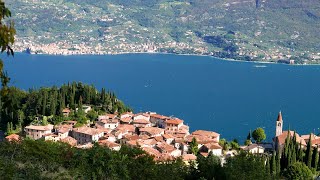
(266, 30)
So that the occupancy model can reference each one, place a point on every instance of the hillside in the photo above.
(265, 30)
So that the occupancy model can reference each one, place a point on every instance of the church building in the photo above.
(280, 135)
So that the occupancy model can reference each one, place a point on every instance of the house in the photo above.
(158, 120)
(173, 125)
(108, 123)
(210, 134)
(66, 112)
(213, 148)
(37, 132)
(126, 115)
(86, 108)
(51, 137)
(85, 134)
(139, 123)
(152, 152)
(63, 130)
(254, 149)
(187, 158)
(151, 131)
(147, 142)
(107, 116)
(128, 137)
(144, 116)
(168, 138)
(69, 140)
(111, 145)
(12, 138)
(168, 149)
(126, 120)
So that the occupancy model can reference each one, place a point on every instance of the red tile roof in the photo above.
(189, 157)
(13, 137)
(174, 121)
(140, 121)
(87, 130)
(282, 138)
(213, 146)
(40, 128)
(205, 133)
(152, 151)
(158, 116)
(69, 140)
(66, 110)
(152, 130)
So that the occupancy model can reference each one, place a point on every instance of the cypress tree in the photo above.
(44, 102)
(249, 136)
(309, 153)
(273, 164)
(278, 159)
(268, 165)
(8, 129)
(286, 147)
(300, 153)
(315, 159)
(289, 157)
(294, 156)
(52, 105)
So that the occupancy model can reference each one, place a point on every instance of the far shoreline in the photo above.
(164, 53)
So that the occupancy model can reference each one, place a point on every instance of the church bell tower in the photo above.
(279, 124)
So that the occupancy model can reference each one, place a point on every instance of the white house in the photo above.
(254, 149)
(85, 135)
(37, 132)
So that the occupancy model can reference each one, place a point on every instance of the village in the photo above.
(165, 138)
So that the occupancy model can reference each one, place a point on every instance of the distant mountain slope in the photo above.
(265, 30)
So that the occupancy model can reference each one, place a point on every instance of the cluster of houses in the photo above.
(163, 137)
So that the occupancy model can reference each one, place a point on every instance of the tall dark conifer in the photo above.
(308, 158)
(273, 164)
(44, 102)
(300, 153)
(315, 158)
(278, 160)
(249, 135)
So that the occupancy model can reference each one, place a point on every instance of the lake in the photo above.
(228, 97)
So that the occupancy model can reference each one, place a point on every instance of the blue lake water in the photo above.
(223, 96)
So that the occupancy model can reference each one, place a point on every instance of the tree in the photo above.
(247, 142)
(194, 146)
(273, 164)
(209, 167)
(308, 158)
(224, 144)
(6, 40)
(278, 161)
(298, 170)
(315, 158)
(259, 135)
(246, 166)
(249, 135)
(234, 145)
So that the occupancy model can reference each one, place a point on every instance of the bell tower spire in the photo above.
(279, 124)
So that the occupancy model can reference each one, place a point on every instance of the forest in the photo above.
(41, 106)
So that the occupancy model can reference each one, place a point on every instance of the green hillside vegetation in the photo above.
(246, 30)
(41, 106)
(30, 159)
